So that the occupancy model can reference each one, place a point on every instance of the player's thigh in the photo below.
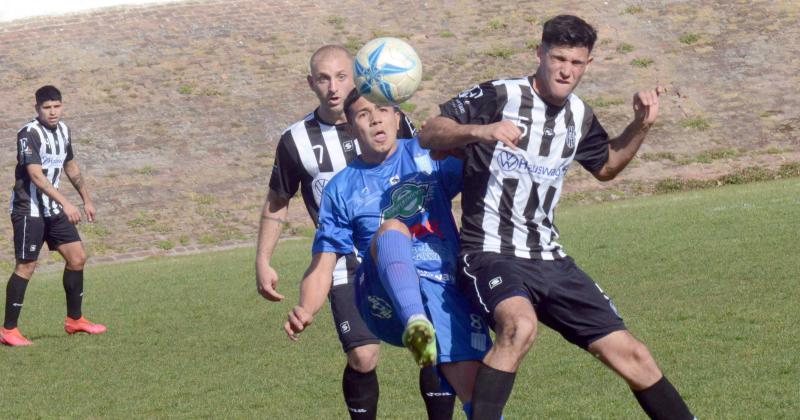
(351, 329)
(575, 306)
(461, 333)
(375, 306)
(28, 238)
(487, 279)
(62, 236)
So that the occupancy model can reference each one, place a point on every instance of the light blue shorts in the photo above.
(461, 333)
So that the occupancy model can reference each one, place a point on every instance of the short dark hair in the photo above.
(47, 93)
(568, 31)
(352, 97)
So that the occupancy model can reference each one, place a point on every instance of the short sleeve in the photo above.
(28, 144)
(65, 133)
(285, 178)
(477, 105)
(450, 172)
(334, 233)
(592, 151)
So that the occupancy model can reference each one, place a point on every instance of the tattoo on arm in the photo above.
(77, 181)
(274, 219)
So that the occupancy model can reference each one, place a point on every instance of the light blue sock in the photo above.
(398, 274)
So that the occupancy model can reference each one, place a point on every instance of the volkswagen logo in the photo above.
(319, 186)
(508, 161)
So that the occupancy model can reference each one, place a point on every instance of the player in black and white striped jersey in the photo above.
(309, 153)
(518, 138)
(40, 213)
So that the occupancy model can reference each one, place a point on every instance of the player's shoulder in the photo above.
(578, 105)
(302, 124)
(31, 129)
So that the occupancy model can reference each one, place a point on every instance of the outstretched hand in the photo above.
(296, 322)
(645, 105)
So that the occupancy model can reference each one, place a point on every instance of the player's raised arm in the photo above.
(442, 133)
(623, 148)
(273, 216)
(313, 293)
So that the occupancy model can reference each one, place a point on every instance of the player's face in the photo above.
(49, 112)
(331, 79)
(375, 127)
(560, 70)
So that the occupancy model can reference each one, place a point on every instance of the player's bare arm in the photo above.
(44, 185)
(273, 217)
(442, 133)
(623, 148)
(313, 293)
(74, 174)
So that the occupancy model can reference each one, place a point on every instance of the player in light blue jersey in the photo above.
(392, 205)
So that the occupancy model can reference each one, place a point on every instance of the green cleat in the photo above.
(420, 338)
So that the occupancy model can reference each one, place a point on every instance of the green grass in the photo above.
(707, 279)
(689, 38)
(642, 62)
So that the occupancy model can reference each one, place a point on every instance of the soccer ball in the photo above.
(387, 71)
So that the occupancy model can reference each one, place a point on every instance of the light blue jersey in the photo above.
(411, 187)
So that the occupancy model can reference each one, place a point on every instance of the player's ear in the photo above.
(310, 81)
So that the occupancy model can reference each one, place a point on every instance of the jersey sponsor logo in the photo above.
(345, 327)
(379, 308)
(319, 186)
(510, 162)
(406, 200)
(51, 161)
(495, 282)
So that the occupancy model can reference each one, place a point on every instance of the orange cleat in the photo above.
(71, 326)
(13, 338)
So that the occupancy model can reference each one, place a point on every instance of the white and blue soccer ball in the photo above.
(387, 71)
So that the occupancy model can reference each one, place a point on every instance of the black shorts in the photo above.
(31, 232)
(565, 298)
(352, 330)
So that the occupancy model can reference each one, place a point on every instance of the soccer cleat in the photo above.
(71, 326)
(420, 338)
(13, 338)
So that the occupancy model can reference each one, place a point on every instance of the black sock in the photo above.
(73, 287)
(360, 393)
(662, 401)
(15, 294)
(439, 401)
(492, 389)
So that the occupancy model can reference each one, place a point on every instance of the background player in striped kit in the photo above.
(39, 213)
(519, 137)
(310, 153)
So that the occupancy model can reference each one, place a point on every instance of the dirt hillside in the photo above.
(177, 108)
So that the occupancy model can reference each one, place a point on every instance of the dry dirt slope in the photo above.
(177, 108)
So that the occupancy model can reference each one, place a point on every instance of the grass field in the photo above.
(708, 279)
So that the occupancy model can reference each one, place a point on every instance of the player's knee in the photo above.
(393, 224)
(77, 261)
(363, 359)
(518, 330)
(25, 269)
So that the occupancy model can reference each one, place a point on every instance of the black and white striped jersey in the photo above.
(509, 195)
(311, 152)
(49, 147)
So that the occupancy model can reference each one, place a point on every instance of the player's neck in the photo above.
(331, 117)
(545, 95)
